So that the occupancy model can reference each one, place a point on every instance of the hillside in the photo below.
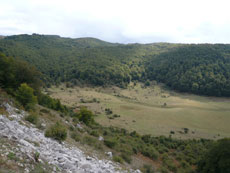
(86, 59)
(202, 69)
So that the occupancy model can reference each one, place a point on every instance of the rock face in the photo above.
(63, 156)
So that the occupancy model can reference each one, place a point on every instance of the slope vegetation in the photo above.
(200, 69)
(86, 59)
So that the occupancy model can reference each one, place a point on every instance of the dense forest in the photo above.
(201, 69)
(76, 60)
(23, 81)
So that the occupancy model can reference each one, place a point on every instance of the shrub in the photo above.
(126, 157)
(86, 116)
(94, 133)
(146, 138)
(108, 111)
(45, 111)
(57, 131)
(111, 143)
(75, 136)
(71, 128)
(184, 164)
(148, 169)
(25, 95)
(12, 156)
(171, 166)
(117, 159)
(51, 103)
(90, 140)
(163, 170)
(134, 134)
(32, 118)
(150, 152)
(36, 156)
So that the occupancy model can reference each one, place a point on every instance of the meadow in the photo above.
(151, 110)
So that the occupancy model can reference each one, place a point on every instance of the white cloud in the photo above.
(120, 20)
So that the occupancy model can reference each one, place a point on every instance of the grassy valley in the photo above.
(152, 110)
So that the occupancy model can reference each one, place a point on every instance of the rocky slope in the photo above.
(61, 157)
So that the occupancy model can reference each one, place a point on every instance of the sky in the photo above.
(122, 21)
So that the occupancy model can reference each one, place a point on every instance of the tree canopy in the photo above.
(201, 69)
(217, 159)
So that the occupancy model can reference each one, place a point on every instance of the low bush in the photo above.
(163, 169)
(126, 157)
(147, 169)
(57, 131)
(150, 152)
(117, 159)
(94, 133)
(32, 118)
(75, 136)
(111, 143)
(46, 111)
(12, 156)
(169, 163)
(86, 116)
(89, 140)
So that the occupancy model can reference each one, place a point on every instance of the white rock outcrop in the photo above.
(65, 157)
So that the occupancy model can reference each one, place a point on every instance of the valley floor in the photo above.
(152, 110)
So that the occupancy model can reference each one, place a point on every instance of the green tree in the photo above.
(86, 116)
(25, 95)
(217, 159)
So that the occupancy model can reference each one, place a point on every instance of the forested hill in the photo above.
(200, 69)
(85, 60)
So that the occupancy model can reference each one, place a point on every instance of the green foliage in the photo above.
(36, 156)
(12, 156)
(86, 116)
(14, 72)
(89, 140)
(200, 69)
(32, 118)
(126, 157)
(217, 159)
(75, 136)
(25, 95)
(170, 165)
(18, 75)
(117, 159)
(147, 169)
(109, 142)
(78, 61)
(94, 133)
(150, 152)
(57, 131)
(163, 169)
(51, 103)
